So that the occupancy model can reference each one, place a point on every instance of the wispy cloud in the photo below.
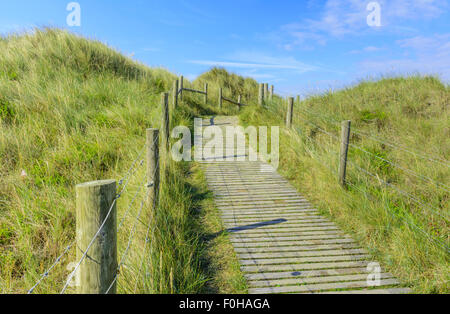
(248, 60)
(368, 49)
(15, 28)
(424, 54)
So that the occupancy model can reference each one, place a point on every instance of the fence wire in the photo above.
(123, 182)
(404, 193)
(133, 232)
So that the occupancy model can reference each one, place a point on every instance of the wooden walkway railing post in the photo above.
(153, 167)
(181, 87)
(271, 92)
(175, 94)
(345, 140)
(206, 93)
(165, 122)
(266, 91)
(220, 97)
(290, 112)
(94, 206)
(261, 95)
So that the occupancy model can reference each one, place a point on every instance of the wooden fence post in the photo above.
(153, 167)
(206, 93)
(220, 97)
(95, 204)
(271, 92)
(239, 101)
(261, 95)
(266, 91)
(165, 121)
(345, 140)
(175, 94)
(290, 112)
(181, 86)
(298, 100)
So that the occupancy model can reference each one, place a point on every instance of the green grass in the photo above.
(74, 110)
(409, 237)
(219, 259)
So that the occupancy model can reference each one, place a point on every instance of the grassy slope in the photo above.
(412, 112)
(72, 111)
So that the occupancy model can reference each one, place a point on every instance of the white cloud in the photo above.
(427, 55)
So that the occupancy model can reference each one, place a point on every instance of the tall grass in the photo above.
(74, 110)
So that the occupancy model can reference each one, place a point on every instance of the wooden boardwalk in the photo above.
(283, 244)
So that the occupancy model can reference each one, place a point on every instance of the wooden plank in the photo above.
(302, 260)
(252, 193)
(285, 234)
(251, 199)
(252, 202)
(302, 267)
(372, 291)
(293, 231)
(284, 217)
(265, 212)
(320, 287)
(288, 219)
(305, 274)
(262, 207)
(309, 213)
(241, 226)
(278, 183)
(314, 280)
(291, 243)
(262, 196)
(302, 248)
(302, 254)
(243, 239)
(280, 222)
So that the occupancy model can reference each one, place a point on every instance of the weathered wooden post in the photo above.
(298, 100)
(239, 101)
(206, 93)
(181, 86)
(165, 121)
(345, 140)
(266, 91)
(220, 97)
(261, 95)
(175, 94)
(271, 92)
(290, 112)
(95, 210)
(153, 167)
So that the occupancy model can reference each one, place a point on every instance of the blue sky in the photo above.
(299, 46)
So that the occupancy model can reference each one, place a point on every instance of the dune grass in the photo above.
(74, 110)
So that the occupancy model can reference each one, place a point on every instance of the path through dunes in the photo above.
(283, 244)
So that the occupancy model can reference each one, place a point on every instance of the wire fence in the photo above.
(326, 154)
(122, 189)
